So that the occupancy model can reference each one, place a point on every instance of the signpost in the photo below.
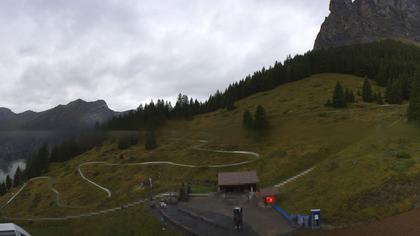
(237, 218)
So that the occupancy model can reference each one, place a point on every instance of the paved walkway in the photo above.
(263, 221)
(203, 223)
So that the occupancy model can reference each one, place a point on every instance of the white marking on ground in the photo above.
(294, 177)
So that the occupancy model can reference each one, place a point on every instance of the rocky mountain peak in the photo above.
(337, 6)
(83, 103)
(76, 115)
(363, 21)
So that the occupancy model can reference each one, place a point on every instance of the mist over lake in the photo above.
(18, 146)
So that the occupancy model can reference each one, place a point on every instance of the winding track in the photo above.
(170, 163)
(109, 193)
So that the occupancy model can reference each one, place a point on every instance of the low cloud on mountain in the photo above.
(128, 52)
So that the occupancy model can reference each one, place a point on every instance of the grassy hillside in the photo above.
(356, 152)
(374, 177)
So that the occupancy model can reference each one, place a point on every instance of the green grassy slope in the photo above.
(132, 222)
(303, 133)
(372, 178)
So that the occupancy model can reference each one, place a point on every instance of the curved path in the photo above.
(170, 163)
(51, 185)
(109, 194)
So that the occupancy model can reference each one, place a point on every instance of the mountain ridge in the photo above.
(77, 114)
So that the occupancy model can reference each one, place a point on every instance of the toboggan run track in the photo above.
(109, 193)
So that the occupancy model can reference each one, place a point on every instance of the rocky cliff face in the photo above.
(363, 21)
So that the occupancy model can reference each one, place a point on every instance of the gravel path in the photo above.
(294, 177)
(109, 193)
(170, 163)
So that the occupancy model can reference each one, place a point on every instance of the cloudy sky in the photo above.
(130, 51)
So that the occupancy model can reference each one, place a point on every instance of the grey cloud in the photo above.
(128, 52)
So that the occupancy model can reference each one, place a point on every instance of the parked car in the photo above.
(11, 229)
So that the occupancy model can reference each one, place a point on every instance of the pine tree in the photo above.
(150, 143)
(247, 120)
(38, 163)
(260, 120)
(379, 98)
(3, 189)
(17, 180)
(367, 95)
(8, 183)
(55, 155)
(43, 158)
(230, 105)
(339, 97)
(394, 92)
(413, 112)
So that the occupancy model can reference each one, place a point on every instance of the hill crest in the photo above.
(78, 114)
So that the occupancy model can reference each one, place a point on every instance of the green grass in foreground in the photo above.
(130, 222)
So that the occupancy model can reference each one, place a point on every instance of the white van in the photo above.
(12, 230)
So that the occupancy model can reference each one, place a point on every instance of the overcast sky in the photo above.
(130, 51)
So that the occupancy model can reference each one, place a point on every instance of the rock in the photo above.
(363, 21)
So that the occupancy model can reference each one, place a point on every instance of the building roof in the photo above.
(237, 178)
(272, 191)
(12, 227)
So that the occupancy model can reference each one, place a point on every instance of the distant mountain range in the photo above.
(76, 115)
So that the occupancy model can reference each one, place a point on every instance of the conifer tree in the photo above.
(339, 98)
(260, 120)
(8, 183)
(230, 105)
(379, 98)
(55, 154)
(17, 180)
(367, 94)
(150, 143)
(43, 158)
(38, 163)
(247, 120)
(413, 112)
(3, 189)
(394, 92)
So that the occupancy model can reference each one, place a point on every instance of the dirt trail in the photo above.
(109, 194)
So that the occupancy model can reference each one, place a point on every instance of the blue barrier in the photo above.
(282, 212)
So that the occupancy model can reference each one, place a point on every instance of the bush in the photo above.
(403, 155)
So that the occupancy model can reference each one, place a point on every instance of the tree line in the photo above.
(19, 177)
(342, 96)
(389, 63)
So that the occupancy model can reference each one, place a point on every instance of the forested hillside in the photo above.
(391, 64)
